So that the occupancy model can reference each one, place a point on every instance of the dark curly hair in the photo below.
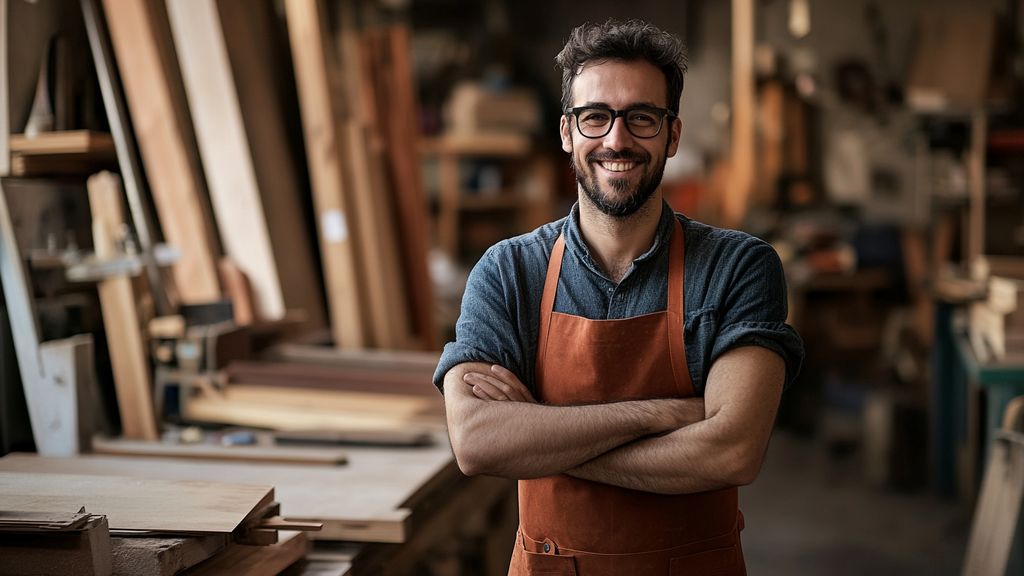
(629, 40)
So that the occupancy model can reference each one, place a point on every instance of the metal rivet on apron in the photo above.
(547, 547)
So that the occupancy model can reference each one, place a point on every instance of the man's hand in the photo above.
(499, 384)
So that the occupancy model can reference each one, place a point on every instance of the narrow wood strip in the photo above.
(128, 357)
(278, 455)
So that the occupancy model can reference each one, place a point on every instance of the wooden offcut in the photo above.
(138, 30)
(387, 58)
(128, 358)
(136, 503)
(319, 97)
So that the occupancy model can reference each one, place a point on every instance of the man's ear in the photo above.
(564, 127)
(674, 136)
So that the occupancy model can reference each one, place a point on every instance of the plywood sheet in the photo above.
(142, 503)
(256, 42)
(372, 499)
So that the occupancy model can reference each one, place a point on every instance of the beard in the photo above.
(621, 201)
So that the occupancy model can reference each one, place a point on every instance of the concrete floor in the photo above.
(809, 513)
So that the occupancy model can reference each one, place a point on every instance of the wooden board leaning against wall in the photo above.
(140, 37)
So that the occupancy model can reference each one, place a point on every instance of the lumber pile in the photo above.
(377, 497)
(61, 523)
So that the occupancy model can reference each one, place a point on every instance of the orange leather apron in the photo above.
(573, 526)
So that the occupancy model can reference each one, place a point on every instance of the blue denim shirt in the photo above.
(735, 296)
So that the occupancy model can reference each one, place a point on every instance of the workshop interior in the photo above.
(235, 236)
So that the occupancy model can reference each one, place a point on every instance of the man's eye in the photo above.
(642, 119)
(595, 118)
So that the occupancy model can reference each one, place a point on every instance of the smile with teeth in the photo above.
(617, 166)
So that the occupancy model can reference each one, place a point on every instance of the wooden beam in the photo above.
(128, 357)
(163, 556)
(224, 147)
(159, 114)
(318, 88)
(402, 133)
(737, 194)
(976, 186)
(364, 148)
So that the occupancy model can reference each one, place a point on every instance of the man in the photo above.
(628, 407)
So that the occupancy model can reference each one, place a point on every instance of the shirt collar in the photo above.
(575, 244)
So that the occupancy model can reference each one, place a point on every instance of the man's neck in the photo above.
(616, 242)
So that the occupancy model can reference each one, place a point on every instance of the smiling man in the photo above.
(624, 363)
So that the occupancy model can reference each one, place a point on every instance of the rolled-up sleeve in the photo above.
(754, 309)
(485, 331)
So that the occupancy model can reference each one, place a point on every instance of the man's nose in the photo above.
(618, 138)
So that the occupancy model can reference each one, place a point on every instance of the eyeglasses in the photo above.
(641, 121)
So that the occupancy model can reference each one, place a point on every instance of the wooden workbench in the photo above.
(399, 509)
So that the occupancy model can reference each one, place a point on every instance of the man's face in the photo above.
(619, 172)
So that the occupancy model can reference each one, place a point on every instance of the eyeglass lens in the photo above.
(597, 122)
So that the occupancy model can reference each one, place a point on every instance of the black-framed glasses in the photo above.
(641, 121)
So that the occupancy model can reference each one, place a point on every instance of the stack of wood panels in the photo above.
(215, 514)
(377, 497)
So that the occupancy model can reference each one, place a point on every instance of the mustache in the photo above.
(625, 156)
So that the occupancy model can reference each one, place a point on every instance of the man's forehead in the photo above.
(619, 82)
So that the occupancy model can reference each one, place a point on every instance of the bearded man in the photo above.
(624, 363)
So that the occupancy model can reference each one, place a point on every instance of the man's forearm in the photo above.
(691, 459)
(527, 440)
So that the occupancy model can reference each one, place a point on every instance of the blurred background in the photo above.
(205, 199)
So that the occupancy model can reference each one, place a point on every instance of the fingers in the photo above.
(498, 386)
(508, 377)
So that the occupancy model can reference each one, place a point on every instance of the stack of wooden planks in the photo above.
(208, 88)
(137, 524)
(362, 166)
(376, 497)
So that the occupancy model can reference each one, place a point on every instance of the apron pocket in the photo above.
(718, 562)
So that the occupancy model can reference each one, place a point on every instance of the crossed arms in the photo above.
(668, 445)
